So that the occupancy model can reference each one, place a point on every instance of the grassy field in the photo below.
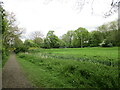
(71, 67)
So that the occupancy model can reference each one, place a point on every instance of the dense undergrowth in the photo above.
(48, 71)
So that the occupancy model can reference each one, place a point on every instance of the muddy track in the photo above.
(12, 75)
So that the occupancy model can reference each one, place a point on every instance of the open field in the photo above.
(71, 67)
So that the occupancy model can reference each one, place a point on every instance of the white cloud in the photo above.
(34, 15)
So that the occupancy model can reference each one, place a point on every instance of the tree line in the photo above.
(106, 35)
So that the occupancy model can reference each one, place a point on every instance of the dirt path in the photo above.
(12, 76)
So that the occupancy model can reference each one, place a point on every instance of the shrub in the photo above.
(110, 45)
(93, 45)
(103, 44)
(21, 49)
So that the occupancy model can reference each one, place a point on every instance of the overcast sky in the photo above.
(58, 15)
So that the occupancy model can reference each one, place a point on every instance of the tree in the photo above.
(37, 38)
(10, 31)
(17, 42)
(19, 46)
(36, 34)
(96, 37)
(51, 40)
(64, 39)
(29, 43)
(62, 43)
(110, 33)
(38, 41)
(81, 36)
(67, 38)
(80, 4)
(46, 43)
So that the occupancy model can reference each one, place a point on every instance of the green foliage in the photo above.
(3, 25)
(81, 35)
(44, 70)
(36, 37)
(106, 33)
(17, 43)
(4, 60)
(96, 38)
(21, 49)
(67, 38)
(110, 33)
(46, 43)
(106, 43)
(29, 43)
(51, 40)
(62, 44)
(9, 32)
(5, 54)
(38, 42)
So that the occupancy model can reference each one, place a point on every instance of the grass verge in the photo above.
(58, 73)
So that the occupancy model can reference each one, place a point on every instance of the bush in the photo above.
(93, 45)
(21, 49)
(3, 53)
(106, 44)
(110, 45)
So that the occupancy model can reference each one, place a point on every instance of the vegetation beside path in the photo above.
(67, 61)
(45, 70)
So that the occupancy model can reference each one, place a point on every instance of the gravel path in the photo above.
(12, 76)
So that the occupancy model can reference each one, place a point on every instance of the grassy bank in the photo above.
(43, 69)
(4, 60)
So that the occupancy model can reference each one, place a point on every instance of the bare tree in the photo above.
(80, 4)
(113, 9)
(36, 34)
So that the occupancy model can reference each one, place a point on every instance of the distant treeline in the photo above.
(105, 36)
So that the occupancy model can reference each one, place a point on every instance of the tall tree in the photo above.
(81, 36)
(67, 38)
(96, 37)
(51, 40)
(110, 32)
(36, 34)
(10, 30)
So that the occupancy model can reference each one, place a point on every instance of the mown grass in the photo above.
(44, 70)
(77, 52)
(107, 56)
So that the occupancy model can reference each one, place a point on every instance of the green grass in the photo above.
(96, 51)
(45, 70)
(0, 61)
(107, 56)
(4, 61)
